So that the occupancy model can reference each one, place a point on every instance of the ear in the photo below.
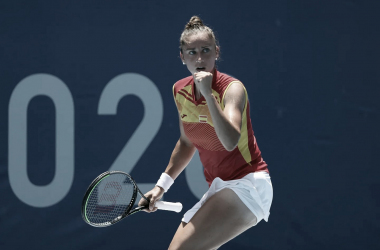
(217, 49)
(181, 55)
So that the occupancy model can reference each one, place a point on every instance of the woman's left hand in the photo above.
(203, 81)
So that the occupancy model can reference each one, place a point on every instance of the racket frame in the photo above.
(126, 213)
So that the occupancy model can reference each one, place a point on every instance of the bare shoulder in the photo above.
(235, 95)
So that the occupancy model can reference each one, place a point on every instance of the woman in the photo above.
(214, 118)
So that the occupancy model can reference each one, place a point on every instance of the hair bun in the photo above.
(195, 22)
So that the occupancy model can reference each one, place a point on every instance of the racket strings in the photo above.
(110, 198)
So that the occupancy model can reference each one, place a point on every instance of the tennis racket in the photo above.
(111, 197)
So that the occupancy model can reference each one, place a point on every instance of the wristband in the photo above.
(165, 181)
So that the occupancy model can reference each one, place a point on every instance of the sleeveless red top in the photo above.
(198, 126)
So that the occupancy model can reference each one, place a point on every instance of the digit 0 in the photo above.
(56, 190)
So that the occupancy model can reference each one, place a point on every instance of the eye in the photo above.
(206, 50)
(192, 52)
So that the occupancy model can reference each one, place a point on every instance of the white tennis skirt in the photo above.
(255, 191)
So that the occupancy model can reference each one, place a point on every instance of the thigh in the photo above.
(220, 219)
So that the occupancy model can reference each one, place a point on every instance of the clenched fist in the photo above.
(203, 82)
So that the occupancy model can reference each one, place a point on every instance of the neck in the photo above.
(197, 93)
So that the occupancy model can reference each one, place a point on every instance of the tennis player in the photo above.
(214, 118)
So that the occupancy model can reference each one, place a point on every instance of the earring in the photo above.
(183, 63)
(216, 59)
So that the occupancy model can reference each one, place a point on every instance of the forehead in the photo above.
(199, 39)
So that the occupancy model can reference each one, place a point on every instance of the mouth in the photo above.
(200, 69)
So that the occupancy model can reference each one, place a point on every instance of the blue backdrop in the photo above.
(86, 87)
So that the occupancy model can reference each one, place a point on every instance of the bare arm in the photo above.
(181, 156)
(227, 122)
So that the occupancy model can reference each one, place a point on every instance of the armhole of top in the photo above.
(245, 92)
(174, 92)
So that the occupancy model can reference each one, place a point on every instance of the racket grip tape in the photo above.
(170, 206)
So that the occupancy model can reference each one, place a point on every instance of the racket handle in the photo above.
(170, 206)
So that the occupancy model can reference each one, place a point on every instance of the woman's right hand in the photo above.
(153, 195)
